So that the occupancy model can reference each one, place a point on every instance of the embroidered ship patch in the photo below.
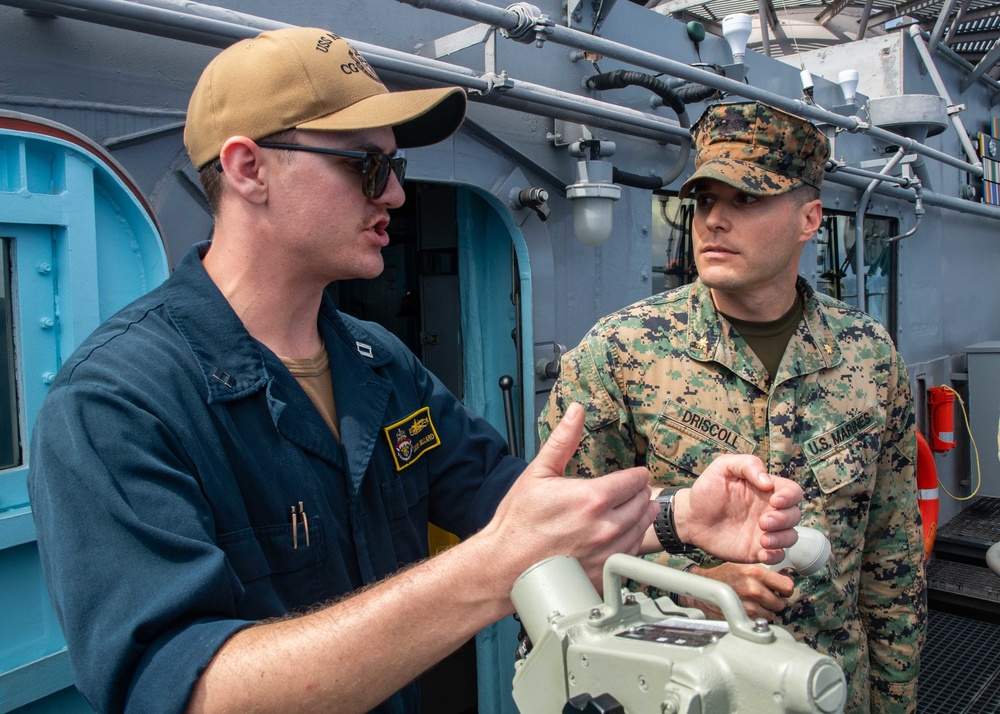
(411, 438)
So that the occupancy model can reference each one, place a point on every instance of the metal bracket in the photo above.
(547, 367)
(494, 83)
(601, 10)
(592, 149)
(481, 34)
(456, 41)
(543, 28)
(565, 133)
(534, 198)
(532, 24)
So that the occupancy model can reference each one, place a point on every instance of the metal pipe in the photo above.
(835, 166)
(958, 21)
(943, 14)
(920, 171)
(181, 23)
(930, 198)
(956, 59)
(217, 27)
(544, 29)
(540, 100)
(216, 13)
(162, 21)
(859, 229)
(764, 18)
(942, 90)
(863, 22)
(86, 105)
(985, 63)
(985, 210)
(906, 182)
(918, 213)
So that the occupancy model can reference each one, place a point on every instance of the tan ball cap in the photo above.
(307, 78)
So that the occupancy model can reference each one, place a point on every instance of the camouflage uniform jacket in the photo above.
(669, 384)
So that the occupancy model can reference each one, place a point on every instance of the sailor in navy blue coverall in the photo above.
(210, 541)
(226, 443)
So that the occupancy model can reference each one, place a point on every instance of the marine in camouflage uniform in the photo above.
(670, 383)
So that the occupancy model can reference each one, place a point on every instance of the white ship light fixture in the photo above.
(848, 81)
(736, 30)
(593, 194)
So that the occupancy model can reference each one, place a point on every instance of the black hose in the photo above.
(650, 183)
(620, 78)
(695, 93)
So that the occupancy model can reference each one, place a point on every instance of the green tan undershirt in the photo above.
(768, 340)
(313, 374)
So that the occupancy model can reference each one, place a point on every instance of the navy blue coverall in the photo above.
(170, 453)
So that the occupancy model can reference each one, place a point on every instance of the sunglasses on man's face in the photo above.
(375, 167)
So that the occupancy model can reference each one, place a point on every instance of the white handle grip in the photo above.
(808, 555)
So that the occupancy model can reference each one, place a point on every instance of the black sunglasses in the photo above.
(375, 167)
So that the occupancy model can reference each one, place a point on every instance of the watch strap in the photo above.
(666, 530)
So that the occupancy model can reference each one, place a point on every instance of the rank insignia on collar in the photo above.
(411, 438)
(364, 350)
(828, 349)
(702, 343)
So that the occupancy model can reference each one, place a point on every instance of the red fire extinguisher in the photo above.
(941, 422)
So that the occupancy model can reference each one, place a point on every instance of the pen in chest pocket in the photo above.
(298, 515)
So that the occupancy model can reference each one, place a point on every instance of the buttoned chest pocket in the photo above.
(277, 565)
(842, 458)
(845, 475)
(404, 491)
(405, 499)
(407, 444)
(684, 441)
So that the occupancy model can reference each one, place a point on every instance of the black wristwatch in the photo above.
(666, 531)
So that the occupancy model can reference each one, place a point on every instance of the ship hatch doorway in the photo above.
(450, 290)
